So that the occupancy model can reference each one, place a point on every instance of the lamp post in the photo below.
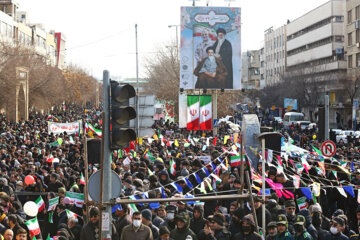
(177, 40)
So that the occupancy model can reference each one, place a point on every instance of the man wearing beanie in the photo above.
(216, 228)
(146, 220)
(282, 225)
(164, 233)
(248, 230)
(271, 231)
(197, 222)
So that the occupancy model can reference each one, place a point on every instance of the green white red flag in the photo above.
(50, 158)
(71, 214)
(75, 198)
(33, 226)
(199, 112)
(40, 203)
(205, 112)
(82, 179)
(97, 131)
(235, 161)
(172, 167)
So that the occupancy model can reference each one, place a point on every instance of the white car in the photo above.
(278, 119)
(343, 135)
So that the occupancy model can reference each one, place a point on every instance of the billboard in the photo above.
(210, 48)
(290, 104)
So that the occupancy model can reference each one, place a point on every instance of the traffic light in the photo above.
(121, 114)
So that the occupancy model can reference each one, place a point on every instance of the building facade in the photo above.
(315, 46)
(352, 36)
(15, 29)
(275, 55)
(250, 78)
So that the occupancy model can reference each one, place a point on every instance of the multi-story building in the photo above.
(15, 29)
(315, 46)
(352, 36)
(250, 76)
(262, 65)
(275, 55)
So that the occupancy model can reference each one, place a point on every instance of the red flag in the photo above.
(214, 142)
(168, 143)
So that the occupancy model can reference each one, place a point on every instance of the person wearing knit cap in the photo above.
(164, 233)
(198, 221)
(282, 225)
(290, 208)
(235, 222)
(216, 229)
(182, 230)
(147, 220)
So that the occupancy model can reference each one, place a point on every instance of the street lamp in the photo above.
(176, 28)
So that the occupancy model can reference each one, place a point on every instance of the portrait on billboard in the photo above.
(210, 50)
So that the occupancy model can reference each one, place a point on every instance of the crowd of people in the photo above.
(174, 163)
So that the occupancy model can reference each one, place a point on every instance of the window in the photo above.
(350, 39)
(9, 31)
(339, 38)
(358, 60)
(349, 15)
(357, 36)
(357, 12)
(338, 19)
(350, 61)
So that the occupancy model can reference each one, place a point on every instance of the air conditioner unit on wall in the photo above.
(358, 44)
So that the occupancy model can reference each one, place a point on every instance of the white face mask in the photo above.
(334, 230)
(170, 216)
(137, 223)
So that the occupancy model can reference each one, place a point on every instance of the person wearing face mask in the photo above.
(337, 226)
(136, 230)
(300, 231)
(211, 72)
(271, 231)
(247, 230)
(169, 222)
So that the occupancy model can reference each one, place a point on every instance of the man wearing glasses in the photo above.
(337, 226)
(290, 208)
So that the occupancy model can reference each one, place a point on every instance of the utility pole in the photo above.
(137, 84)
(106, 194)
(326, 117)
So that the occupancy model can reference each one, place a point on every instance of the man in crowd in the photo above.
(137, 230)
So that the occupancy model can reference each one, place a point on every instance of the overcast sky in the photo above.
(101, 34)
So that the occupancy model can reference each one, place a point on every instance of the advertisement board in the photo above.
(290, 104)
(210, 48)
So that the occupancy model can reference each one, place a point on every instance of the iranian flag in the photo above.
(205, 112)
(82, 179)
(40, 203)
(193, 107)
(172, 167)
(71, 214)
(200, 28)
(33, 226)
(50, 158)
(97, 131)
(235, 161)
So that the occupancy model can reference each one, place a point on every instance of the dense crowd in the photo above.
(170, 164)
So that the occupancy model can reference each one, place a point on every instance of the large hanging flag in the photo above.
(193, 114)
(40, 203)
(33, 226)
(205, 112)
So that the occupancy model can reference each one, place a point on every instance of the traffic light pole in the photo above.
(106, 226)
